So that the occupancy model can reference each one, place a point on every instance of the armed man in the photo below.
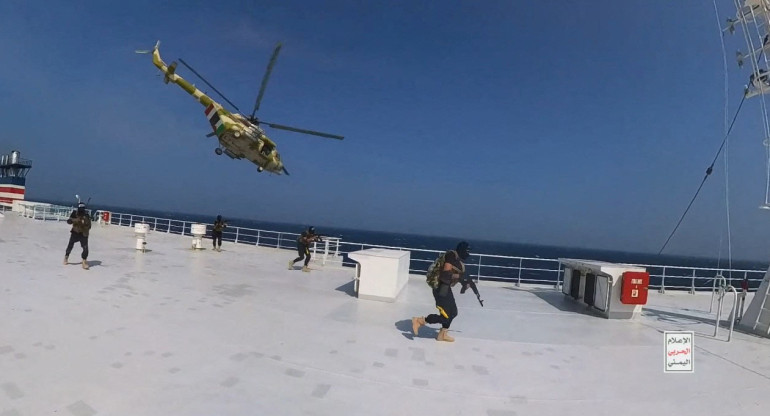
(81, 224)
(452, 272)
(216, 232)
(303, 248)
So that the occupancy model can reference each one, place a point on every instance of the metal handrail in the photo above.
(334, 253)
(722, 291)
(735, 304)
(722, 283)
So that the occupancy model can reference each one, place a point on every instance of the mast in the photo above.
(753, 16)
(754, 19)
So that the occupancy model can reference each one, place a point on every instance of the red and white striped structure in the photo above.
(10, 193)
(13, 177)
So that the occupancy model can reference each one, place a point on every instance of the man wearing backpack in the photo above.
(81, 224)
(303, 248)
(450, 274)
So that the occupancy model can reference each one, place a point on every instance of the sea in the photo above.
(537, 265)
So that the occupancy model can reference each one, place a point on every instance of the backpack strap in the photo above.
(462, 268)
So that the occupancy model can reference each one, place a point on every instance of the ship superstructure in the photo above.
(13, 177)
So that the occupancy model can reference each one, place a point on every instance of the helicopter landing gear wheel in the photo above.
(260, 169)
(237, 134)
(218, 151)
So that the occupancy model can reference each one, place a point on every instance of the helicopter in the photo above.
(239, 136)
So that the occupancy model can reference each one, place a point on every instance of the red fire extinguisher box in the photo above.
(634, 288)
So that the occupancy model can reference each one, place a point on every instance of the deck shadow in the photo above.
(348, 288)
(563, 302)
(405, 326)
(677, 318)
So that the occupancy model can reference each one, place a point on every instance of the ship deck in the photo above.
(179, 332)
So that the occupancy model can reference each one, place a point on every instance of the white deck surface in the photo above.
(177, 332)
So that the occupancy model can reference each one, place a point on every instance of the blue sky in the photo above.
(563, 123)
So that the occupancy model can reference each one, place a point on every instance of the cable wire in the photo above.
(708, 172)
(727, 148)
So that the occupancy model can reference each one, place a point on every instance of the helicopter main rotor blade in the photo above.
(314, 133)
(262, 87)
(207, 83)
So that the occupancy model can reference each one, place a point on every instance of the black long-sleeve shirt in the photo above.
(446, 275)
(81, 224)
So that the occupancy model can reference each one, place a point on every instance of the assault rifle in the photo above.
(469, 282)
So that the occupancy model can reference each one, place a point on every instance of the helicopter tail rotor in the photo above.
(146, 51)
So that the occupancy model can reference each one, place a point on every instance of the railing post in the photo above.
(558, 277)
(156, 225)
(168, 230)
(478, 271)
(278, 245)
(518, 282)
(692, 286)
(326, 251)
(237, 229)
(258, 233)
(663, 281)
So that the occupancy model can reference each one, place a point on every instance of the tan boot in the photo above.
(417, 322)
(85, 264)
(291, 265)
(66, 260)
(442, 335)
(306, 269)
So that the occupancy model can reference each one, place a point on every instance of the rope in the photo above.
(727, 148)
(708, 172)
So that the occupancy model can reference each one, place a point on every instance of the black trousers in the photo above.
(304, 253)
(216, 236)
(75, 238)
(445, 302)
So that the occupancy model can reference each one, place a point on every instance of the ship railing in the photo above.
(253, 236)
(44, 212)
(333, 252)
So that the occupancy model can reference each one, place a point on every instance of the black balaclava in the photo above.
(81, 208)
(219, 218)
(463, 250)
(311, 230)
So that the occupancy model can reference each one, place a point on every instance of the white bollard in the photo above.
(141, 230)
(198, 231)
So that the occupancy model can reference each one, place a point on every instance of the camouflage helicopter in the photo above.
(239, 136)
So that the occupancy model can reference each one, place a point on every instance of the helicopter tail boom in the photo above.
(169, 75)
